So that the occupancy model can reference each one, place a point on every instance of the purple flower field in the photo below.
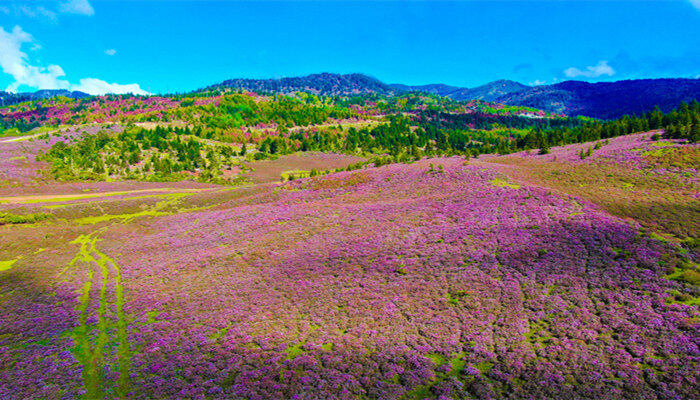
(345, 200)
(406, 281)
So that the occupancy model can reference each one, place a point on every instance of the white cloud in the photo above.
(81, 7)
(99, 87)
(16, 63)
(695, 3)
(110, 52)
(36, 8)
(35, 12)
(537, 82)
(600, 69)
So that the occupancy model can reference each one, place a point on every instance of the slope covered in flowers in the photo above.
(640, 176)
(437, 279)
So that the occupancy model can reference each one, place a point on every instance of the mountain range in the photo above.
(604, 100)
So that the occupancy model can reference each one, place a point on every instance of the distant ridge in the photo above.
(326, 84)
(439, 89)
(329, 84)
(606, 100)
(7, 98)
(488, 92)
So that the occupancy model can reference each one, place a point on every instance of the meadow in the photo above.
(377, 259)
(443, 277)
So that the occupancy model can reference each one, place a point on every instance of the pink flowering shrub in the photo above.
(402, 281)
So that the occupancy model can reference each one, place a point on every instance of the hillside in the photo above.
(245, 125)
(440, 278)
(606, 100)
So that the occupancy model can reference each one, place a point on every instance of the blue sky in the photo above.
(167, 46)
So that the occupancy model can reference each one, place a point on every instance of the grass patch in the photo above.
(498, 182)
(5, 265)
(295, 174)
(12, 219)
(294, 351)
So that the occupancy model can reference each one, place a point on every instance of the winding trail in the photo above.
(102, 321)
(111, 326)
(51, 198)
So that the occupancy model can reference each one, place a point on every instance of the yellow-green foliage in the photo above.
(5, 265)
(295, 174)
(7, 218)
(502, 183)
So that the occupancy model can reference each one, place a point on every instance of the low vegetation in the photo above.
(403, 247)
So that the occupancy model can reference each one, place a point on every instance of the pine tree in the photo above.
(694, 136)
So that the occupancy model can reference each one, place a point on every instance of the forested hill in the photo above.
(329, 84)
(325, 84)
(606, 100)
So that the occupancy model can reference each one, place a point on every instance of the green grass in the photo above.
(14, 132)
(295, 174)
(165, 207)
(457, 364)
(294, 351)
(502, 183)
(5, 265)
(12, 219)
(90, 353)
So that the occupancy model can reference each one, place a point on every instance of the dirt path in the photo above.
(21, 138)
(51, 198)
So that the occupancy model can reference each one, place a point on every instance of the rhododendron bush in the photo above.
(437, 279)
